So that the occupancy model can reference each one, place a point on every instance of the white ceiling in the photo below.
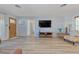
(40, 9)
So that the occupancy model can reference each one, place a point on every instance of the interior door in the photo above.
(12, 27)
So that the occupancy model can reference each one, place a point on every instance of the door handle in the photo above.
(9, 27)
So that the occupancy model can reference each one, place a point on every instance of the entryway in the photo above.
(31, 28)
(12, 27)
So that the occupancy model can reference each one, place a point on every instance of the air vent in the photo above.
(18, 6)
(63, 5)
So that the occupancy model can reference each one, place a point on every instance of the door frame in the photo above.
(9, 25)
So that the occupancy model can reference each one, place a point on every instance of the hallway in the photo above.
(38, 45)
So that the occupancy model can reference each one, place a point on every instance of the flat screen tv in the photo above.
(45, 23)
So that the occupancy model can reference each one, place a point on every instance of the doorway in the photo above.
(32, 28)
(12, 27)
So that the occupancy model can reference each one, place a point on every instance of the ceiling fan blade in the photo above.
(63, 5)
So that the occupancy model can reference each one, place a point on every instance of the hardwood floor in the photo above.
(31, 45)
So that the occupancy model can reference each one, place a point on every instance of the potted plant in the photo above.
(60, 29)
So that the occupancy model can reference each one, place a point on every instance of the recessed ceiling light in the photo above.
(18, 6)
(63, 5)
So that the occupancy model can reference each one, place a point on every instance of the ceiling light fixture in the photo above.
(63, 5)
(18, 6)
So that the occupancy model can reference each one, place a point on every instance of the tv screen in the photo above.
(45, 23)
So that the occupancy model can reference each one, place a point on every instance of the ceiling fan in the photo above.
(63, 5)
(18, 6)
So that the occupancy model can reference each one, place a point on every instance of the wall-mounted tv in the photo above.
(45, 23)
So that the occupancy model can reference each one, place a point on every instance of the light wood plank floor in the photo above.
(31, 45)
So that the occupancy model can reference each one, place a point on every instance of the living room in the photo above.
(38, 27)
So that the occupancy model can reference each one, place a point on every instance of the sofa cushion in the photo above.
(71, 38)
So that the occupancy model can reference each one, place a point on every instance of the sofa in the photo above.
(71, 39)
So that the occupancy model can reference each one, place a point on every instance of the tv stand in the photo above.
(45, 34)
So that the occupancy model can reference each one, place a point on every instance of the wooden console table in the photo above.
(61, 35)
(45, 34)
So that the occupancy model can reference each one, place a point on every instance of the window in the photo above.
(77, 23)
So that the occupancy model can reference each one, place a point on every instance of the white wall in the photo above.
(70, 20)
(57, 22)
(23, 29)
(21, 25)
(28, 27)
(4, 27)
(24, 24)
